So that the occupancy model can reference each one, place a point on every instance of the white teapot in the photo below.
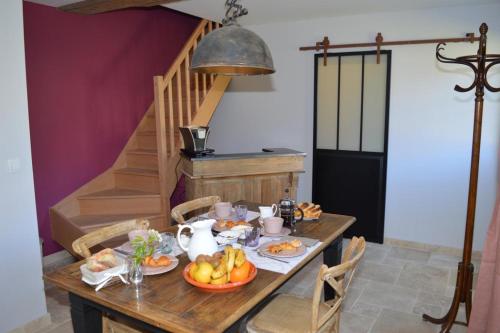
(202, 241)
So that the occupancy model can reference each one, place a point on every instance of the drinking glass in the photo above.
(167, 242)
(241, 212)
(252, 237)
(135, 274)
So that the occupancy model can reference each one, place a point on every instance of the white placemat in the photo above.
(273, 265)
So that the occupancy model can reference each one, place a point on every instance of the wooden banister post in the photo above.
(161, 144)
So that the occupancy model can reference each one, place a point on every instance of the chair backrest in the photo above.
(83, 244)
(179, 211)
(339, 278)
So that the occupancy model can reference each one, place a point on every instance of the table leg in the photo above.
(85, 318)
(332, 256)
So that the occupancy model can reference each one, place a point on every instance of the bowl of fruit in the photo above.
(222, 271)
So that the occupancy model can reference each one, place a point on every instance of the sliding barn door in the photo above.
(350, 144)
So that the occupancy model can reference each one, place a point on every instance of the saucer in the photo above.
(232, 216)
(284, 231)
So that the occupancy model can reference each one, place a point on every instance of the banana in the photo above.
(220, 280)
(230, 254)
(240, 258)
(220, 271)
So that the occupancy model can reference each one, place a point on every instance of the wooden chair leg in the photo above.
(105, 325)
(335, 328)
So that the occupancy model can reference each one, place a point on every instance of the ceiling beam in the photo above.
(101, 6)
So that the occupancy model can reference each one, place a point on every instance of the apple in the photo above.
(203, 272)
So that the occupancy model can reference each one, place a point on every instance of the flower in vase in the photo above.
(145, 247)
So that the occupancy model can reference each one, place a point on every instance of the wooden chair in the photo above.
(83, 244)
(289, 313)
(179, 211)
(82, 247)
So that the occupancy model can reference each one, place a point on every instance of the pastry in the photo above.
(311, 210)
(102, 260)
(285, 246)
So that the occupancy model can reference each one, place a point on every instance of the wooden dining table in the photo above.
(167, 303)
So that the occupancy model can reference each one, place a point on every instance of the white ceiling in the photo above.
(265, 11)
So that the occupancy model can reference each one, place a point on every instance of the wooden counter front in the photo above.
(259, 177)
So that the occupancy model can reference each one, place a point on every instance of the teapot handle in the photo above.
(181, 227)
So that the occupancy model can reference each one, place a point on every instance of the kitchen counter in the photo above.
(258, 177)
(270, 152)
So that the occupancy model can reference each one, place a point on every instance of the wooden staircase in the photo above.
(144, 176)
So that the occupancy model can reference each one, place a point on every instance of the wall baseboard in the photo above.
(35, 325)
(451, 251)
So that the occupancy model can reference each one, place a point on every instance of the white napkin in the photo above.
(273, 265)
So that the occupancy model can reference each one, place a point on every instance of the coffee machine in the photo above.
(195, 140)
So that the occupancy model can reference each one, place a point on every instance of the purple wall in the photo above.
(90, 80)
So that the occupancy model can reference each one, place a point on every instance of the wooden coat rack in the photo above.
(480, 64)
(325, 44)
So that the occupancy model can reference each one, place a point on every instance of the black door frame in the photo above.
(383, 179)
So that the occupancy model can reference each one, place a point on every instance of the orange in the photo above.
(240, 273)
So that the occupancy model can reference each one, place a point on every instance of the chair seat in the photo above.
(286, 314)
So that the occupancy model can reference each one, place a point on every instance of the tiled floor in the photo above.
(392, 288)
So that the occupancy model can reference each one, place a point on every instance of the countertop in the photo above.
(274, 152)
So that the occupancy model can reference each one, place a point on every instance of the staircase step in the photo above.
(149, 124)
(119, 201)
(142, 159)
(137, 179)
(146, 139)
(88, 223)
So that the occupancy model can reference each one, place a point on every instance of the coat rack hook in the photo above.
(379, 39)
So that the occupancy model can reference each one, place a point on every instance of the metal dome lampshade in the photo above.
(232, 50)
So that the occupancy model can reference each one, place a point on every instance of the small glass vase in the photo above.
(135, 274)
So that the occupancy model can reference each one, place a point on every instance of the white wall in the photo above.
(430, 129)
(21, 288)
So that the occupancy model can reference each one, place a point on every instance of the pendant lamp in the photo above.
(231, 49)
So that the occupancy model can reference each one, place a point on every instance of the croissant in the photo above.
(311, 211)
(102, 260)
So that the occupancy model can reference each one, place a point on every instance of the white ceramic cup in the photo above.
(223, 209)
(268, 211)
(272, 225)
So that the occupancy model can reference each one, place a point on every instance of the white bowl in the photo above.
(94, 278)
(227, 237)
(241, 230)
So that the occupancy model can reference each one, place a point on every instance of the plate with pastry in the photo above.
(282, 249)
(158, 264)
(311, 211)
(103, 265)
(223, 225)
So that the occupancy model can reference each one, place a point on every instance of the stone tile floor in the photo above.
(392, 288)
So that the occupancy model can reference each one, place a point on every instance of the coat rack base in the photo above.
(463, 294)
